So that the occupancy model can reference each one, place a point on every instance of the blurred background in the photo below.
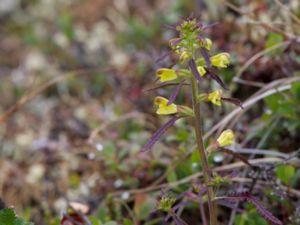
(75, 110)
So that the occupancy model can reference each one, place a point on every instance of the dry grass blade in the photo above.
(291, 14)
(257, 56)
(272, 88)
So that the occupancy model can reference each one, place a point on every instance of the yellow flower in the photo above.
(201, 70)
(163, 108)
(165, 74)
(226, 138)
(208, 44)
(215, 97)
(221, 60)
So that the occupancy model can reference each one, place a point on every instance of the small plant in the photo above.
(195, 64)
(9, 217)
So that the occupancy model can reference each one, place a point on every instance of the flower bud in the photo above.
(208, 44)
(184, 56)
(221, 60)
(163, 107)
(226, 138)
(165, 74)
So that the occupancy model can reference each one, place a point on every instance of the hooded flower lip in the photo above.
(163, 107)
(226, 138)
(201, 70)
(165, 74)
(215, 97)
(221, 60)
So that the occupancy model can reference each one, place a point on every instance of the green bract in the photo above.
(166, 203)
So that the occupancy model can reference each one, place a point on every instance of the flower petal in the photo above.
(165, 74)
(215, 97)
(163, 108)
(221, 60)
(201, 70)
(226, 138)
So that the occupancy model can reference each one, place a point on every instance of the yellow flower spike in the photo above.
(163, 108)
(201, 70)
(208, 44)
(215, 97)
(221, 60)
(226, 138)
(165, 74)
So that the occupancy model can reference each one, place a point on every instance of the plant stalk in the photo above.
(207, 173)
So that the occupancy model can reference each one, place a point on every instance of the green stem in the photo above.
(207, 173)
